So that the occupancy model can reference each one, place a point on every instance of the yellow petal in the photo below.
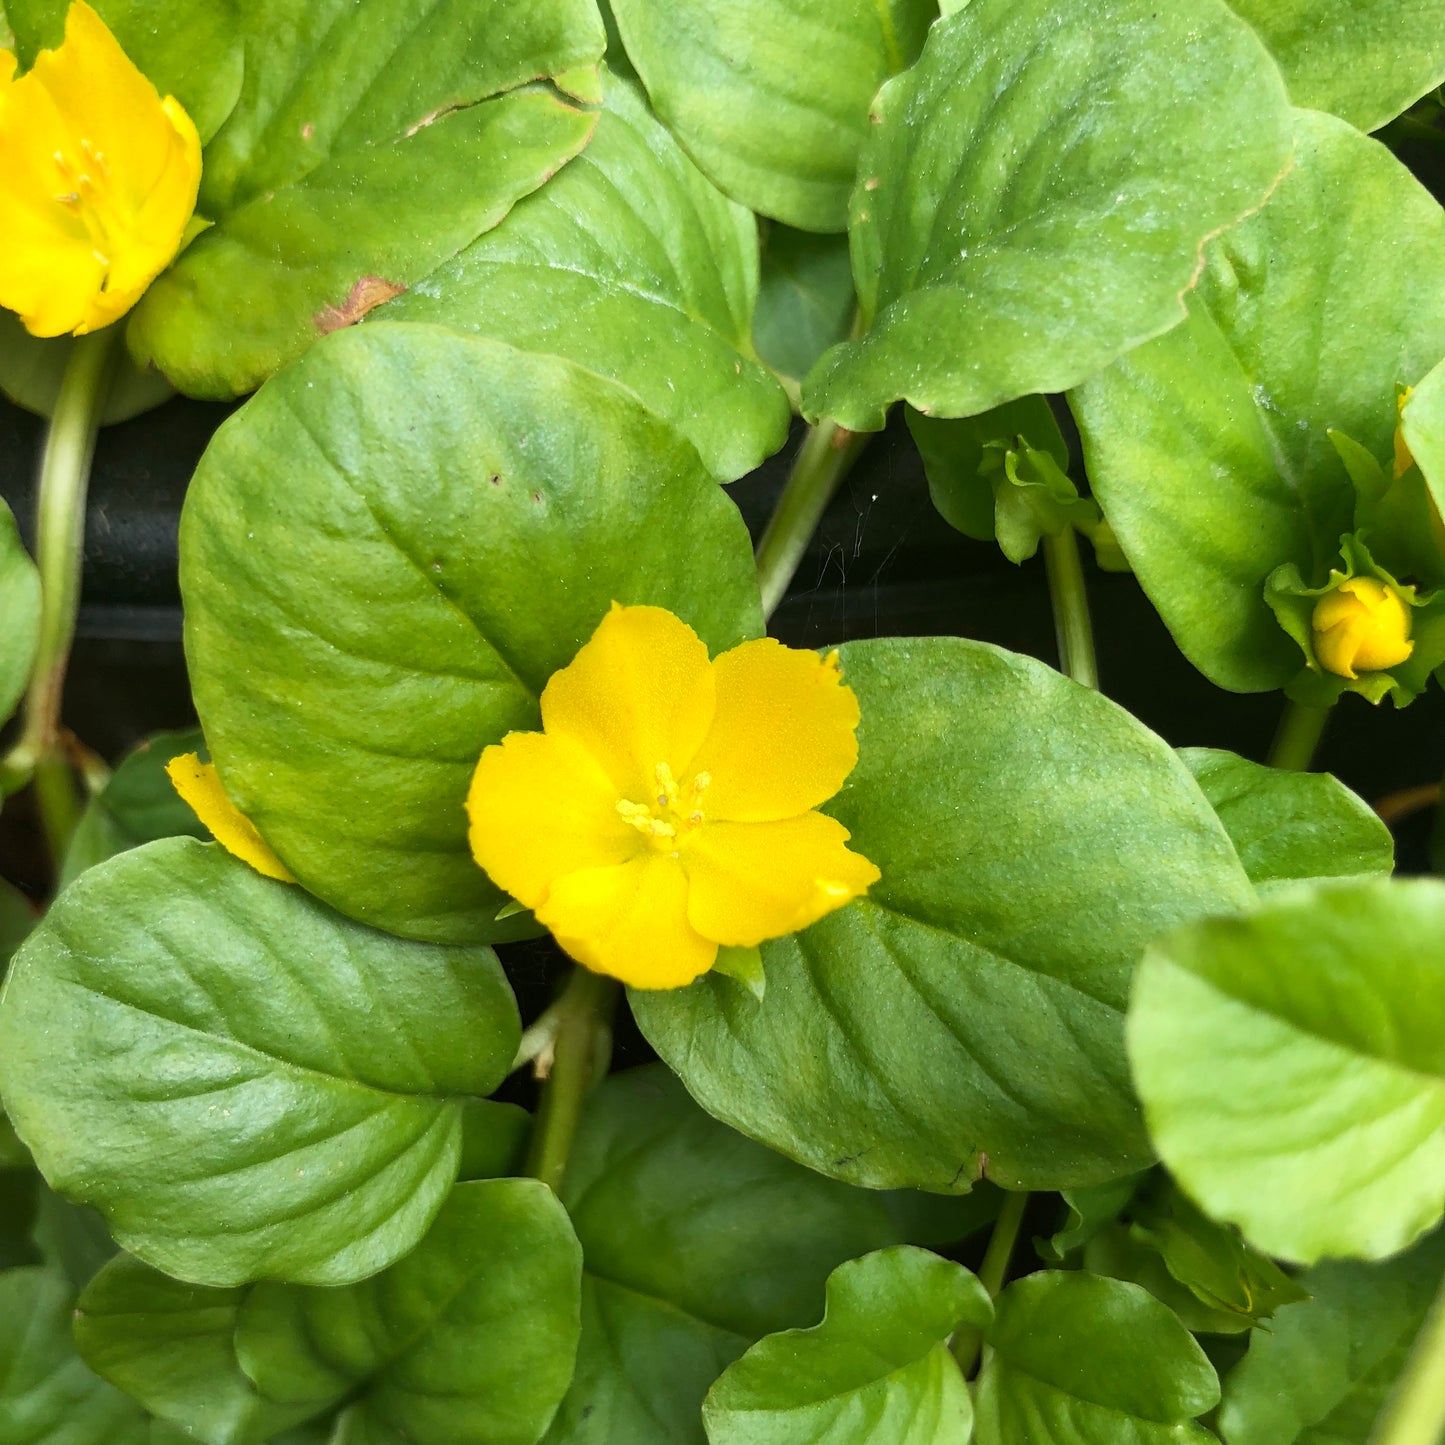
(540, 807)
(630, 922)
(783, 735)
(638, 694)
(98, 182)
(1361, 626)
(200, 788)
(751, 881)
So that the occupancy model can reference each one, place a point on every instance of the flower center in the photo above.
(90, 197)
(671, 813)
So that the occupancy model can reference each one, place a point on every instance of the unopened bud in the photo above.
(1361, 626)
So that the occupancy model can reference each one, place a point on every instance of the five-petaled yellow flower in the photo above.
(98, 180)
(668, 806)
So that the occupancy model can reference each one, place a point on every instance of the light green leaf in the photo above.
(1288, 826)
(181, 1046)
(1034, 194)
(1083, 1360)
(172, 1347)
(366, 149)
(20, 607)
(47, 1395)
(1365, 60)
(1032, 837)
(877, 1368)
(1291, 1066)
(631, 264)
(697, 1241)
(364, 543)
(138, 805)
(770, 97)
(806, 300)
(469, 1340)
(1322, 1370)
(1423, 424)
(1209, 449)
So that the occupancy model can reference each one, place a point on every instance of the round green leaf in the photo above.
(1365, 60)
(770, 97)
(631, 264)
(366, 149)
(469, 1340)
(1082, 1360)
(697, 1241)
(1289, 826)
(877, 1368)
(203, 1054)
(1209, 448)
(967, 1015)
(1034, 194)
(47, 1394)
(367, 555)
(1292, 1067)
(20, 607)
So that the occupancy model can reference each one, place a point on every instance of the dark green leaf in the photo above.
(17, 918)
(199, 1052)
(1034, 194)
(494, 1139)
(877, 1368)
(1082, 1360)
(364, 543)
(771, 96)
(72, 1238)
(20, 607)
(1292, 1067)
(1032, 838)
(1088, 1211)
(631, 264)
(806, 300)
(1288, 826)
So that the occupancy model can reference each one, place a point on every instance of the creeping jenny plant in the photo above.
(1021, 1075)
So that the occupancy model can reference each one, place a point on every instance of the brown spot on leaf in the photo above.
(872, 183)
(366, 295)
(307, 131)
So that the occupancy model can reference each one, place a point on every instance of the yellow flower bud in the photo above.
(1361, 626)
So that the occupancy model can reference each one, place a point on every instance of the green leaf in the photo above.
(138, 805)
(631, 264)
(469, 1340)
(877, 1368)
(805, 302)
(1422, 423)
(190, 51)
(172, 1347)
(71, 1238)
(1209, 449)
(697, 1241)
(20, 607)
(197, 1051)
(1321, 1372)
(770, 97)
(1291, 1065)
(17, 918)
(364, 543)
(1289, 826)
(47, 1395)
(494, 1139)
(1032, 837)
(1084, 1360)
(365, 150)
(1088, 1211)
(1365, 60)
(1034, 194)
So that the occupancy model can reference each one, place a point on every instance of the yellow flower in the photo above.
(667, 807)
(98, 180)
(200, 789)
(1361, 626)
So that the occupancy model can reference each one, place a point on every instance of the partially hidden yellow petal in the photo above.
(751, 881)
(200, 788)
(630, 922)
(540, 807)
(783, 736)
(638, 694)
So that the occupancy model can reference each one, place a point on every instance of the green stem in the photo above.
(1300, 729)
(583, 1014)
(1072, 627)
(827, 453)
(59, 548)
(1415, 1412)
(968, 1343)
